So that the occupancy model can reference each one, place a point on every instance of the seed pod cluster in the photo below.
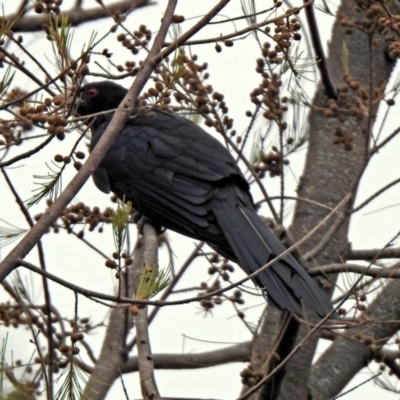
(12, 132)
(267, 94)
(49, 114)
(196, 93)
(134, 41)
(81, 215)
(251, 377)
(157, 96)
(47, 6)
(272, 162)
(209, 303)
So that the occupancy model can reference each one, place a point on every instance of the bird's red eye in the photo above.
(92, 92)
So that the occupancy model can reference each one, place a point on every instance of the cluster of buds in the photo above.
(136, 40)
(77, 155)
(197, 93)
(47, 6)
(11, 315)
(111, 263)
(285, 32)
(267, 94)
(343, 136)
(272, 162)
(82, 215)
(158, 96)
(223, 270)
(250, 377)
(39, 116)
(208, 304)
(12, 131)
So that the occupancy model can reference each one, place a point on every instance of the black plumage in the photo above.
(182, 178)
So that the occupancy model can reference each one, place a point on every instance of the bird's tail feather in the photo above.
(288, 285)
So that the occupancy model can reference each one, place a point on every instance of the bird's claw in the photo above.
(140, 220)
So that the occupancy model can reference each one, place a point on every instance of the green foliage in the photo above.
(9, 233)
(61, 35)
(119, 223)
(151, 282)
(6, 80)
(51, 185)
(72, 386)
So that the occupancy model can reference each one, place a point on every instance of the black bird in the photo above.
(182, 178)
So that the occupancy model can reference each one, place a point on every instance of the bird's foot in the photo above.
(140, 220)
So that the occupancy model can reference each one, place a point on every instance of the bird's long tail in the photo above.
(288, 285)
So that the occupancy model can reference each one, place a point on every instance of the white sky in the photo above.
(232, 73)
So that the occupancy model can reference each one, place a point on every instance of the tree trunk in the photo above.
(331, 172)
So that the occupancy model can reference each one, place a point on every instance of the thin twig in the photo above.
(376, 194)
(319, 51)
(28, 153)
(326, 238)
(243, 31)
(26, 71)
(384, 142)
(170, 289)
(46, 290)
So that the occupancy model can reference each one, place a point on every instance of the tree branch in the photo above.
(237, 353)
(392, 272)
(76, 15)
(370, 254)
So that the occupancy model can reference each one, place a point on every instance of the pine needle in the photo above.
(9, 233)
(151, 282)
(119, 223)
(74, 381)
(51, 186)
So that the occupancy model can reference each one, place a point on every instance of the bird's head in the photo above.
(99, 96)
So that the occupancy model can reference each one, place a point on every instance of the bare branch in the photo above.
(371, 254)
(392, 272)
(376, 194)
(326, 238)
(237, 353)
(76, 15)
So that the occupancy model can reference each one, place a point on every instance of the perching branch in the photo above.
(145, 357)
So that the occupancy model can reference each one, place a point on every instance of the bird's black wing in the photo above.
(182, 178)
(168, 167)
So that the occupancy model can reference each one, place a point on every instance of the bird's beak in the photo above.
(73, 103)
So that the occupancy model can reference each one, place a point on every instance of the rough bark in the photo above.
(346, 357)
(331, 173)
